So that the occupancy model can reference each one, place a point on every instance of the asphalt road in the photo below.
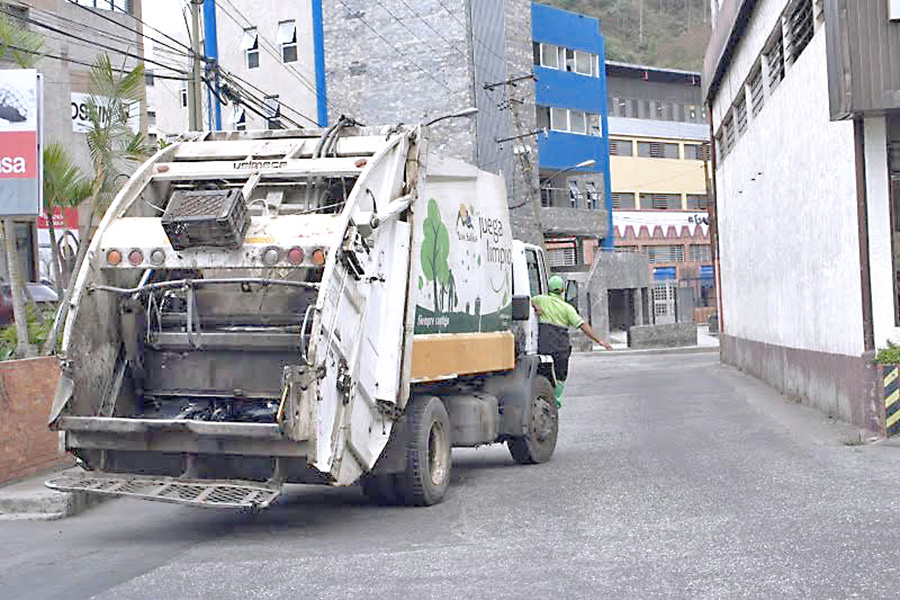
(674, 477)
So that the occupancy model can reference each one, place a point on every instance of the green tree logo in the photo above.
(435, 251)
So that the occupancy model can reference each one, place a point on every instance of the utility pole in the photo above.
(195, 106)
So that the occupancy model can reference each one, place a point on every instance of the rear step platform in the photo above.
(195, 492)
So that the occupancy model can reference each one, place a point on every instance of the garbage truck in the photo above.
(334, 306)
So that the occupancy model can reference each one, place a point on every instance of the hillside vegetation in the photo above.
(663, 33)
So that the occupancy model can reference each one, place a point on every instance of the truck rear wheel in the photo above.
(427, 454)
(539, 441)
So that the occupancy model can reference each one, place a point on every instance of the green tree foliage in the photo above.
(435, 252)
(65, 186)
(19, 45)
(662, 33)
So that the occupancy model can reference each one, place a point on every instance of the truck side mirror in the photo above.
(572, 293)
(521, 308)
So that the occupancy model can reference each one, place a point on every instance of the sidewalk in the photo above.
(28, 499)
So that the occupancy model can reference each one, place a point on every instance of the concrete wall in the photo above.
(667, 335)
(26, 393)
(787, 209)
(881, 262)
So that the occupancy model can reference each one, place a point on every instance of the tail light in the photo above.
(135, 257)
(158, 256)
(295, 256)
(270, 256)
(113, 258)
(318, 257)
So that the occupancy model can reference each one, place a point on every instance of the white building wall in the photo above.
(786, 201)
(879, 222)
(294, 82)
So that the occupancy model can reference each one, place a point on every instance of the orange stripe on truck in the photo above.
(443, 355)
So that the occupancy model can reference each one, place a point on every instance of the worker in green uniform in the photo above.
(555, 318)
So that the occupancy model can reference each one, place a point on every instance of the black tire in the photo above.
(428, 443)
(538, 444)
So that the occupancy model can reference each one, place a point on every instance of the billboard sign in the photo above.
(81, 122)
(20, 137)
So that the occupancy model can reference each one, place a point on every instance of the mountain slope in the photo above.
(663, 33)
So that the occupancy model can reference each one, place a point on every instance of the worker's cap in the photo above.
(556, 283)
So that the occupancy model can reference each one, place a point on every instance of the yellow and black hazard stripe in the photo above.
(891, 375)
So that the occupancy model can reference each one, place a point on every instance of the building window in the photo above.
(661, 201)
(584, 63)
(574, 193)
(550, 56)
(699, 253)
(577, 122)
(151, 118)
(757, 96)
(697, 202)
(559, 119)
(595, 126)
(565, 256)
(623, 200)
(287, 37)
(657, 150)
(802, 27)
(620, 148)
(122, 6)
(542, 117)
(665, 254)
(238, 118)
(740, 113)
(536, 52)
(272, 110)
(694, 152)
(148, 77)
(250, 47)
(184, 95)
(775, 60)
(593, 197)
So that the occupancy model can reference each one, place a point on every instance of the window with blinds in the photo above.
(700, 253)
(775, 60)
(657, 150)
(802, 27)
(620, 148)
(740, 114)
(697, 201)
(622, 200)
(757, 96)
(694, 152)
(561, 257)
(661, 201)
(665, 254)
(728, 137)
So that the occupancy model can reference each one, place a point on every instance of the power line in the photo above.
(406, 27)
(474, 37)
(435, 31)
(81, 62)
(400, 52)
(273, 52)
(94, 43)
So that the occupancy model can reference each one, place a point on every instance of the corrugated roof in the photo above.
(624, 65)
(673, 130)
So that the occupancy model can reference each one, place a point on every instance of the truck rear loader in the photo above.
(330, 306)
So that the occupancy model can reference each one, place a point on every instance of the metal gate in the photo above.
(664, 302)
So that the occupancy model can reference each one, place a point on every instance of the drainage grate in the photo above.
(223, 494)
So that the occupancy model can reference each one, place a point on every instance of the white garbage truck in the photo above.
(331, 306)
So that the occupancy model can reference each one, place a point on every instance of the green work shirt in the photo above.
(556, 311)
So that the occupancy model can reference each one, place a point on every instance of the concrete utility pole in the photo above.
(195, 106)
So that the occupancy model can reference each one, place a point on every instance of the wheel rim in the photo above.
(438, 454)
(541, 419)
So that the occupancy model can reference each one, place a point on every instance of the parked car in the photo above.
(43, 295)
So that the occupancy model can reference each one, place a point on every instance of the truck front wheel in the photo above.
(539, 441)
(427, 453)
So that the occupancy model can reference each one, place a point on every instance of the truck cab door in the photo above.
(529, 279)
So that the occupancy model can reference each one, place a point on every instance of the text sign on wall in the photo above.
(81, 122)
(20, 128)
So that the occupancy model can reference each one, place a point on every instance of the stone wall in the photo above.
(26, 393)
(667, 335)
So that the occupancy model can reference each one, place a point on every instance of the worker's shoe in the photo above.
(558, 392)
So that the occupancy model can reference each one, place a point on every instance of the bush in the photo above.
(889, 355)
(38, 331)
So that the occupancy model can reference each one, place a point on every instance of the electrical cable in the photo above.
(435, 31)
(81, 62)
(406, 27)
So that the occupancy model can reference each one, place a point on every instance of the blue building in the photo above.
(571, 105)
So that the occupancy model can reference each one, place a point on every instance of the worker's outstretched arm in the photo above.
(588, 331)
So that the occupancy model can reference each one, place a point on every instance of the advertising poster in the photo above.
(20, 159)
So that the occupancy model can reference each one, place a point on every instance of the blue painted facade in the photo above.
(319, 45)
(574, 91)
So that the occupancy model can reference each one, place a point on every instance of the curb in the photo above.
(678, 350)
(29, 500)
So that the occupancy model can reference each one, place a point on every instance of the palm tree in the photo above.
(22, 47)
(115, 152)
(65, 186)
